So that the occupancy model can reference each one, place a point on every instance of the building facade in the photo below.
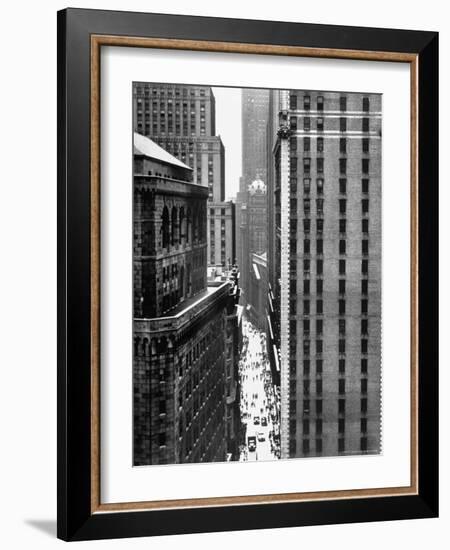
(221, 234)
(182, 120)
(180, 322)
(327, 271)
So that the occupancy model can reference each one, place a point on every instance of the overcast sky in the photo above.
(228, 127)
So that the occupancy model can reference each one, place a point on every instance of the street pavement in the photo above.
(259, 404)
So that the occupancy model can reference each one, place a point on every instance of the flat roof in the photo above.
(148, 148)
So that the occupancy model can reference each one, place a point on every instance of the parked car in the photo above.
(263, 421)
(261, 436)
(251, 440)
(256, 420)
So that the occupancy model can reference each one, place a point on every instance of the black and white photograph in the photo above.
(257, 273)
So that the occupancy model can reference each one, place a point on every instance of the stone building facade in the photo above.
(180, 322)
(326, 278)
(222, 234)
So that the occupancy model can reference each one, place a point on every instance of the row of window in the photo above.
(319, 366)
(293, 103)
(320, 185)
(320, 144)
(170, 92)
(293, 123)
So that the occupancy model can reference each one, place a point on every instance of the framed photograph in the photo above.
(247, 256)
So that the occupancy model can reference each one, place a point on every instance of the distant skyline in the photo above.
(229, 127)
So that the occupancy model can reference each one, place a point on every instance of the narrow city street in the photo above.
(259, 402)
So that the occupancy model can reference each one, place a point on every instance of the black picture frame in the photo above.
(76, 521)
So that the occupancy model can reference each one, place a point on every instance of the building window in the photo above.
(319, 246)
(365, 206)
(364, 345)
(319, 223)
(342, 225)
(319, 326)
(341, 366)
(293, 143)
(306, 287)
(364, 405)
(319, 426)
(306, 102)
(320, 102)
(306, 124)
(364, 385)
(341, 425)
(319, 206)
(319, 287)
(342, 327)
(343, 124)
(341, 267)
(364, 286)
(365, 145)
(305, 446)
(306, 144)
(319, 365)
(365, 185)
(341, 406)
(342, 185)
(306, 366)
(307, 165)
(318, 446)
(365, 225)
(319, 183)
(319, 267)
(364, 326)
(306, 246)
(319, 406)
(320, 164)
(306, 266)
(365, 247)
(341, 445)
(364, 304)
(365, 166)
(306, 225)
(319, 386)
(365, 267)
(306, 185)
(343, 146)
(307, 206)
(293, 101)
(293, 123)
(365, 124)
(320, 124)
(306, 307)
(342, 166)
(305, 387)
(341, 346)
(319, 307)
(343, 103)
(363, 425)
(342, 246)
(305, 426)
(320, 144)
(306, 326)
(365, 103)
(341, 307)
(319, 346)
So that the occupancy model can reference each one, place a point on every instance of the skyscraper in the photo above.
(255, 112)
(326, 276)
(182, 119)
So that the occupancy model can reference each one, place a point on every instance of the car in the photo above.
(263, 421)
(261, 436)
(256, 420)
(251, 443)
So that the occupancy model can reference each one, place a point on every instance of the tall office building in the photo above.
(326, 276)
(221, 234)
(255, 112)
(180, 365)
(182, 120)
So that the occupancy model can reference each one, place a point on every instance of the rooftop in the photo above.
(148, 148)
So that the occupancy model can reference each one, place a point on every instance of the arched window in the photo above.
(174, 226)
(189, 226)
(165, 227)
(182, 222)
(195, 224)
